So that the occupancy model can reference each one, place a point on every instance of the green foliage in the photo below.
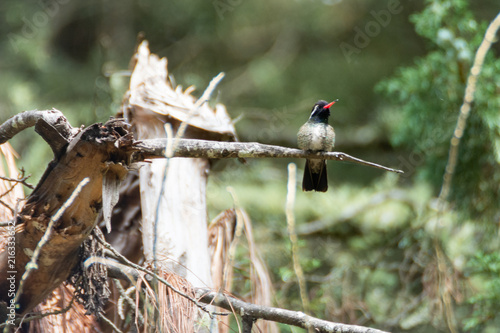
(486, 301)
(429, 95)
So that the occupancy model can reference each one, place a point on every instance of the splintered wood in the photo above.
(173, 191)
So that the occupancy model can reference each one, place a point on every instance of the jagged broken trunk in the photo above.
(173, 191)
(96, 152)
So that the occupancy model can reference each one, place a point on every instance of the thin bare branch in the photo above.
(21, 180)
(110, 323)
(470, 89)
(247, 324)
(154, 148)
(210, 89)
(125, 297)
(6, 205)
(20, 122)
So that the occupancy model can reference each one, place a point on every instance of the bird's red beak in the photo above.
(330, 104)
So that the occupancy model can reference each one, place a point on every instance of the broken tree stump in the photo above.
(96, 152)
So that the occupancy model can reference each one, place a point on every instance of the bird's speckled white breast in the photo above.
(316, 137)
(317, 140)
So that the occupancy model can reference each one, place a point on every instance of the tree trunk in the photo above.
(173, 190)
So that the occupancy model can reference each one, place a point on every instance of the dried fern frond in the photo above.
(220, 236)
(164, 309)
(221, 232)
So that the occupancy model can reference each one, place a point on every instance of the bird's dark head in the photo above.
(321, 110)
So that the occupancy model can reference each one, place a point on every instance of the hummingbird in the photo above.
(316, 135)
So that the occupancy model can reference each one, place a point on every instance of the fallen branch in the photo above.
(155, 148)
(294, 318)
(251, 312)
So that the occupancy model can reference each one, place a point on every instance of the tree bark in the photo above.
(92, 153)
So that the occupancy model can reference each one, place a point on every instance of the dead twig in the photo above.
(6, 205)
(21, 180)
(110, 323)
(125, 297)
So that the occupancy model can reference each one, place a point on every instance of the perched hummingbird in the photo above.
(316, 135)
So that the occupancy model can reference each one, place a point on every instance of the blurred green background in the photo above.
(374, 249)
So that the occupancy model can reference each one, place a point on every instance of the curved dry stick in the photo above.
(20, 122)
(470, 89)
(26, 119)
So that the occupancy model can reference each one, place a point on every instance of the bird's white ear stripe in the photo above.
(314, 110)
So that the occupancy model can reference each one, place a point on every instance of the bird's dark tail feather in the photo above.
(315, 181)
